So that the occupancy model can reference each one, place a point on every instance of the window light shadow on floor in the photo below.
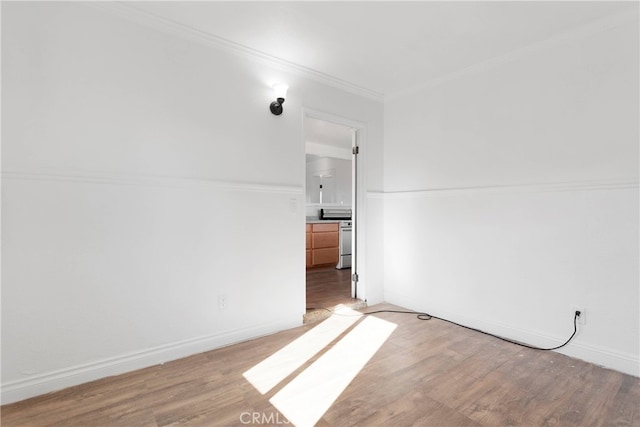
(308, 396)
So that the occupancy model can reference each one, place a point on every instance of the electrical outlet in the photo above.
(222, 302)
(582, 319)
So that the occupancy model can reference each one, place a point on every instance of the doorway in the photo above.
(331, 206)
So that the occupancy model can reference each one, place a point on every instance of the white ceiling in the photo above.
(385, 47)
(381, 47)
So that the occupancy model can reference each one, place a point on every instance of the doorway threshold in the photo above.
(315, 314)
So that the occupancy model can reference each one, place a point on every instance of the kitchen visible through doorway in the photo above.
(330, 196)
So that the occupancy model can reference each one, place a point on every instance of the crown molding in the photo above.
(131, 13)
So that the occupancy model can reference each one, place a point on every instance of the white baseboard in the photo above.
(36, 385)
(607, 358)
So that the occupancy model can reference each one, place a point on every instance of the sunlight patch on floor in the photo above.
(309, 395)
(272, 370)
(317, 314)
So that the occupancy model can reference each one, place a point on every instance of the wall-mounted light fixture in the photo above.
(280, 91)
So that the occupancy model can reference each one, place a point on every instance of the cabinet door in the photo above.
(325, 256)
(325, 240)
(321, 228)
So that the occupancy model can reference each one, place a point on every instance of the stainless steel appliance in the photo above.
(344, 260)
(327, 214)
(346, 230)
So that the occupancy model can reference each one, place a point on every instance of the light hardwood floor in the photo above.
(328, 287)
(428, 373)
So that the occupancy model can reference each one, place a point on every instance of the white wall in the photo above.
(133, 162)
(511, 195)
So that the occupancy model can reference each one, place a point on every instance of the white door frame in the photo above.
(359, 202)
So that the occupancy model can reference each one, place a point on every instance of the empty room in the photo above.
(419, 213)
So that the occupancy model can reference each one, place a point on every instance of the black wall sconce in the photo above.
(280, 91)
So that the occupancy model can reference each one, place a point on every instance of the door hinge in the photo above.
(354, 277)
(356, 150)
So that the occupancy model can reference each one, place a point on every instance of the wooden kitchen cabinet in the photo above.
(322, 244)
(309, 259)
(324, 240)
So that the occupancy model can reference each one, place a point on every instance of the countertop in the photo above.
(314, 220)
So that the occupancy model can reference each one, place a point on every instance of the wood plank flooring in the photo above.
(428, 373)
(328, 287)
